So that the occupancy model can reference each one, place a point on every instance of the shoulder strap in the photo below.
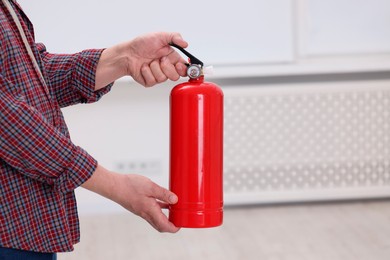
(26, 44)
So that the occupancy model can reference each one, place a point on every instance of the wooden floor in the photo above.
(331, 231)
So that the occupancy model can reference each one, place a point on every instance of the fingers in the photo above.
(160, 71)
(162, 198)
(157, 72)
(148, 77)
(160, 221)
(181, 68)
(169, 69)
(164, 195)
(144, 198)
(150, 209)
(171, 66)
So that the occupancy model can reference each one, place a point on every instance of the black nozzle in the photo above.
(193, 59)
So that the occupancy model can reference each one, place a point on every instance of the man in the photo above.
(39, 165)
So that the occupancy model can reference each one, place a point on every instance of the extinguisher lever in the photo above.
(192, 58)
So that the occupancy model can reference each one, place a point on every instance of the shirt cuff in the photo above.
(84, 75)
(80, 168)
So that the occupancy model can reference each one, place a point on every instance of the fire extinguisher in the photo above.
(196, 150)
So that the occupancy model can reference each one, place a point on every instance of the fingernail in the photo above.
(172, 199)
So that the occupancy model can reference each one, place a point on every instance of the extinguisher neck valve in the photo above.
(199, 79)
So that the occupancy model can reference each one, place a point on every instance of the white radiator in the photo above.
(312, 141)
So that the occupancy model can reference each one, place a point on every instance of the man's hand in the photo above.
(153, 61)
(149, 59)
(135, 193)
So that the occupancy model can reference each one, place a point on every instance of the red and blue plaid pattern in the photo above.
(39, 165)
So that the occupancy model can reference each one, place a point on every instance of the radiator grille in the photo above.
(314, 137)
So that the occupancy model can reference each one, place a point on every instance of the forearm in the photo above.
(103, 182)
(112, 66)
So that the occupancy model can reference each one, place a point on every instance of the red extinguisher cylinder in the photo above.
(196, 154)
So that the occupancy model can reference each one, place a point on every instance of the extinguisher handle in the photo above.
(192, 58)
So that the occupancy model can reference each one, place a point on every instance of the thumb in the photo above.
(165, 195)
(177, 39)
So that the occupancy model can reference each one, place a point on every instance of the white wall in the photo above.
(345, 27)
(228, 32)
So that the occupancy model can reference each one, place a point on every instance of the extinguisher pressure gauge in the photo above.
(194, 71)
(195, 67)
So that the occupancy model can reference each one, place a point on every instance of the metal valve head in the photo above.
(194, 71)
(195, 66)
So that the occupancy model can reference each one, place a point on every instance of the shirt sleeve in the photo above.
(29, 144)
(72, 76)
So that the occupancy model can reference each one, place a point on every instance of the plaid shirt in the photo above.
(39, 165)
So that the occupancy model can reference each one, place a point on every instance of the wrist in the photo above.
(122, 58)
(130, 51)
(113, 64)
(103, 182)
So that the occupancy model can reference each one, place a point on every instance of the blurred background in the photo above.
(307, 125)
